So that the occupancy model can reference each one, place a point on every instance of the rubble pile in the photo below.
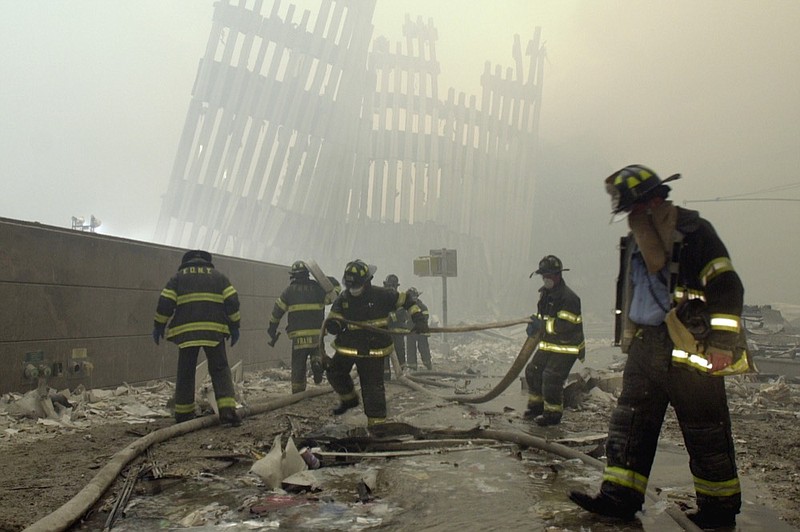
(29, 417)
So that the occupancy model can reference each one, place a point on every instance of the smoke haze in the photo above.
(95, 94)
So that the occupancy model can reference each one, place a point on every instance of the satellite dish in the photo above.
(95, 222)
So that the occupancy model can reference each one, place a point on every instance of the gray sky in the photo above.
(94, 96)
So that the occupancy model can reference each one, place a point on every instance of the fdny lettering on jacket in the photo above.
(197, 269)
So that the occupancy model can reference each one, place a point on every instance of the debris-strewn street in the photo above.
(46, 457)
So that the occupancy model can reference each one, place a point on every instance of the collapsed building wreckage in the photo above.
(769, 334)
(301, 135)
(773, 341)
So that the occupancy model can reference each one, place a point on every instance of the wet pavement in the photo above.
(470, 487)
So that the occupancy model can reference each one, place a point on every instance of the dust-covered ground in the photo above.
(46, 462)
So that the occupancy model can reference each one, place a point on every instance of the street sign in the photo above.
(444, 262)
(440, 263)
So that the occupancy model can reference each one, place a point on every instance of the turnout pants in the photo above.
(650, 383)
(370, 373)
(300, 355)
(399, 342)
(545, 377)
(220, 374)
(413, 343)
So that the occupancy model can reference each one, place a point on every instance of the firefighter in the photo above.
(204, 309)
(419, 341)
(559, 317)
(304, 300)
(397, 320)
(681, 310)
(367, 349)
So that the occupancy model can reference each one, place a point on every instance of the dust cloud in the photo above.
(96, 92)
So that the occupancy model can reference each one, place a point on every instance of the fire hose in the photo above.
(519, 363)
(70, 512)
(516, 368)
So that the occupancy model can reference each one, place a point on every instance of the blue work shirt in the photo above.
(651, 296)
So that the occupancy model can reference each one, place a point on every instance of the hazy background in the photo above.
(94, 94)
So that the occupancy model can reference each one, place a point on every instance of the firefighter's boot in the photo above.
(713, 519)
(344, 406)
(229, 417)
(533, 411)
(548, 418)
(181, 418)
(603, 504)
(317, 371)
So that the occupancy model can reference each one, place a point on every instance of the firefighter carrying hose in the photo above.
(367, 349)
(679, 303)
(304, 300)
(562, 343)
(204, 308)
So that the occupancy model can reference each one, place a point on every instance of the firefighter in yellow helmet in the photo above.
(304, 303)
(679, 306)
(362, 302)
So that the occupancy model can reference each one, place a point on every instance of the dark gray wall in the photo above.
(77, 296)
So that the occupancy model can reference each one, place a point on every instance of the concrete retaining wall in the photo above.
(82, 305)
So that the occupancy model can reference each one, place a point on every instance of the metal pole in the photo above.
(444, 300)
(444, 286)
(446, 346)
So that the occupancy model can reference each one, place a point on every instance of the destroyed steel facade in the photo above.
(312, 140)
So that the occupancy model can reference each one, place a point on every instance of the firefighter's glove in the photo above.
(234, 336)
(421, 327)
(334, 326)
(317, 369)
(272, 331)
(534, 326)
(158, 333)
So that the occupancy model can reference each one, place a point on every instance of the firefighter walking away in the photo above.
(203, 307)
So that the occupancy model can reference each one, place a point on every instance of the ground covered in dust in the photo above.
(43, 464)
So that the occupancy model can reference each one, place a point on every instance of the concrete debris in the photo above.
(304, 481)
(779, 392)
(599, 396)
(28, 417)
(278, 464)
(202, 516)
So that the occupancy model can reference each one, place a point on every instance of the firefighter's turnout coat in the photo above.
(373, 308)
(304, 300)
(562, 343)
(702, 280)
(203, 305)
(559, 308)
